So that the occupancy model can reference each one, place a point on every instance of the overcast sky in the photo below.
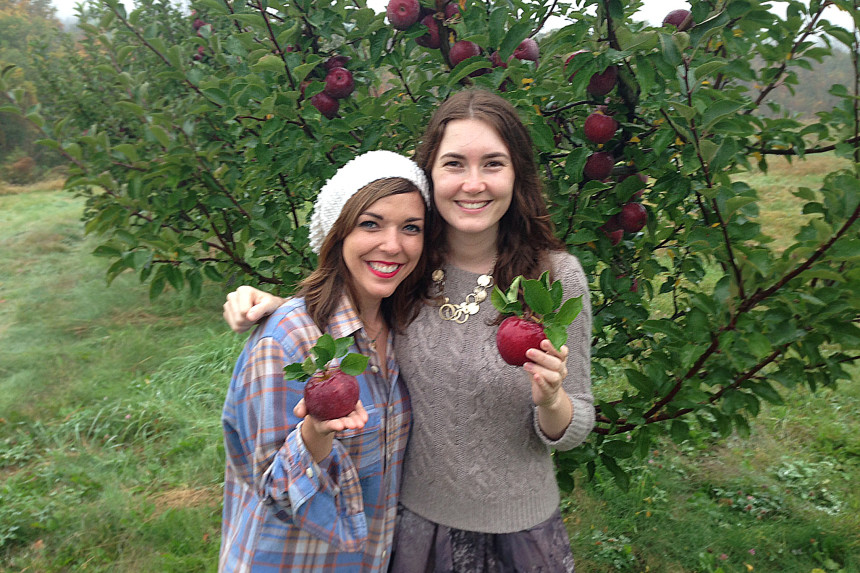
(653, 10)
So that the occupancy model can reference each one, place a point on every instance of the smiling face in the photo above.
(473, 179)
(384, 246)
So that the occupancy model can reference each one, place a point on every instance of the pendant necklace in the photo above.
(461, 312)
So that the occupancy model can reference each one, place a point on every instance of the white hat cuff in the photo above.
(350, 178)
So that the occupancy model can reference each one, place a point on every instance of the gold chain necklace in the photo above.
(461, 312)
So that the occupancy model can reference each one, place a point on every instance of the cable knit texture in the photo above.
(350, 178)
(476, 459)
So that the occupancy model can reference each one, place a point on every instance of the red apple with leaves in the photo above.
(602, 83)
(463, 50)
(403, 13)
(633, 217)
(330, 391)
(339, 83)
(599, 165)
(681, 19)
(327, 105)
(336, 62)
(527, 50)
(546, 318)
(431, 39)
(600, 128)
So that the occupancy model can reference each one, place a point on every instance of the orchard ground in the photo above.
(111, 456)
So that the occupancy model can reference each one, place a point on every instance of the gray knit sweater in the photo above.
(476, 459)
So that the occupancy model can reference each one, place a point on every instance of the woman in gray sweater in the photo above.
(479, 490)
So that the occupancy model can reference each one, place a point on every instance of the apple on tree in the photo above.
(339, 83)
(602, 83)
(633, 217)
(527, 50)
(330, 391)
(336, 62)
(681, 19)
(326, 104)
(463, 50)
(403, 13)
(547, 317)
(431, 39)
(599, 128)
(599, 165)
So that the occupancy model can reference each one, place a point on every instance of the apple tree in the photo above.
(201, 138)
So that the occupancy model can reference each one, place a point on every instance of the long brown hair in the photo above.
(323, 288)
(526, 232)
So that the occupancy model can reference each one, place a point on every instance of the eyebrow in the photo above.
(380, 217)
(493, 155)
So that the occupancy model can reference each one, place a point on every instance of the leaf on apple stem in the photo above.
(326, 349)
(544, 298)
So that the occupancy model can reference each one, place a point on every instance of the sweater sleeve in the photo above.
(324, 499)
(568, 270)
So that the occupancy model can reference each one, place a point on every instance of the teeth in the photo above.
(381, 268)
(476, 205)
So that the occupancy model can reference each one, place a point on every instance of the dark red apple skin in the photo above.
(681, 19)
(336, 62)
(431, 39)
(403, 13)
(599, 128)
(599, 165)
(527, 50)
(602, 83)
(463, 50)
(633, 217)
(339, 83)
(515, 336)
(331, 398)
(326, 104)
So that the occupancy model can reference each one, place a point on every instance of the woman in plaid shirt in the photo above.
(308, 495)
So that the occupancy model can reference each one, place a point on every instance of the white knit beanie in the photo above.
(350, 178)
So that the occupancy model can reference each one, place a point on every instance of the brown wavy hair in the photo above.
(323, 287)
(526, 232)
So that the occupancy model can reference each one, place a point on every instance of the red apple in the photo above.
(201, 51)
(336, 62)
(339, 83)
(197, 24)
(527, 50)
(515, 336)
(615, 236)
(431, 39)
(568, 60)
(452, 10)
(463, 50)
(326, 104)
(599, 128)
(602, 83)
(496, 60)
(403, 13)
(328, 397)
(633, 217)
(599, 165)
(681, 19)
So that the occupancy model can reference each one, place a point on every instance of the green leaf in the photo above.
(324, 350)
(354, 364)
(569, 311)
(622, 480)
(159, 134)
(537, 297)
(556, 334)
(766, 392)
(294, 371)
(680, 431)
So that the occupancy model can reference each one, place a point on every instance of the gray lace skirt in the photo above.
(421, 546)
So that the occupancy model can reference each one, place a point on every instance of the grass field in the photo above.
(111, 455)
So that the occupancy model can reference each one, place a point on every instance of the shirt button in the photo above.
(374, 369)
(309, 472)
(384, 553)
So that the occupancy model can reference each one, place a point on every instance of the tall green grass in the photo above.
(111, 454)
